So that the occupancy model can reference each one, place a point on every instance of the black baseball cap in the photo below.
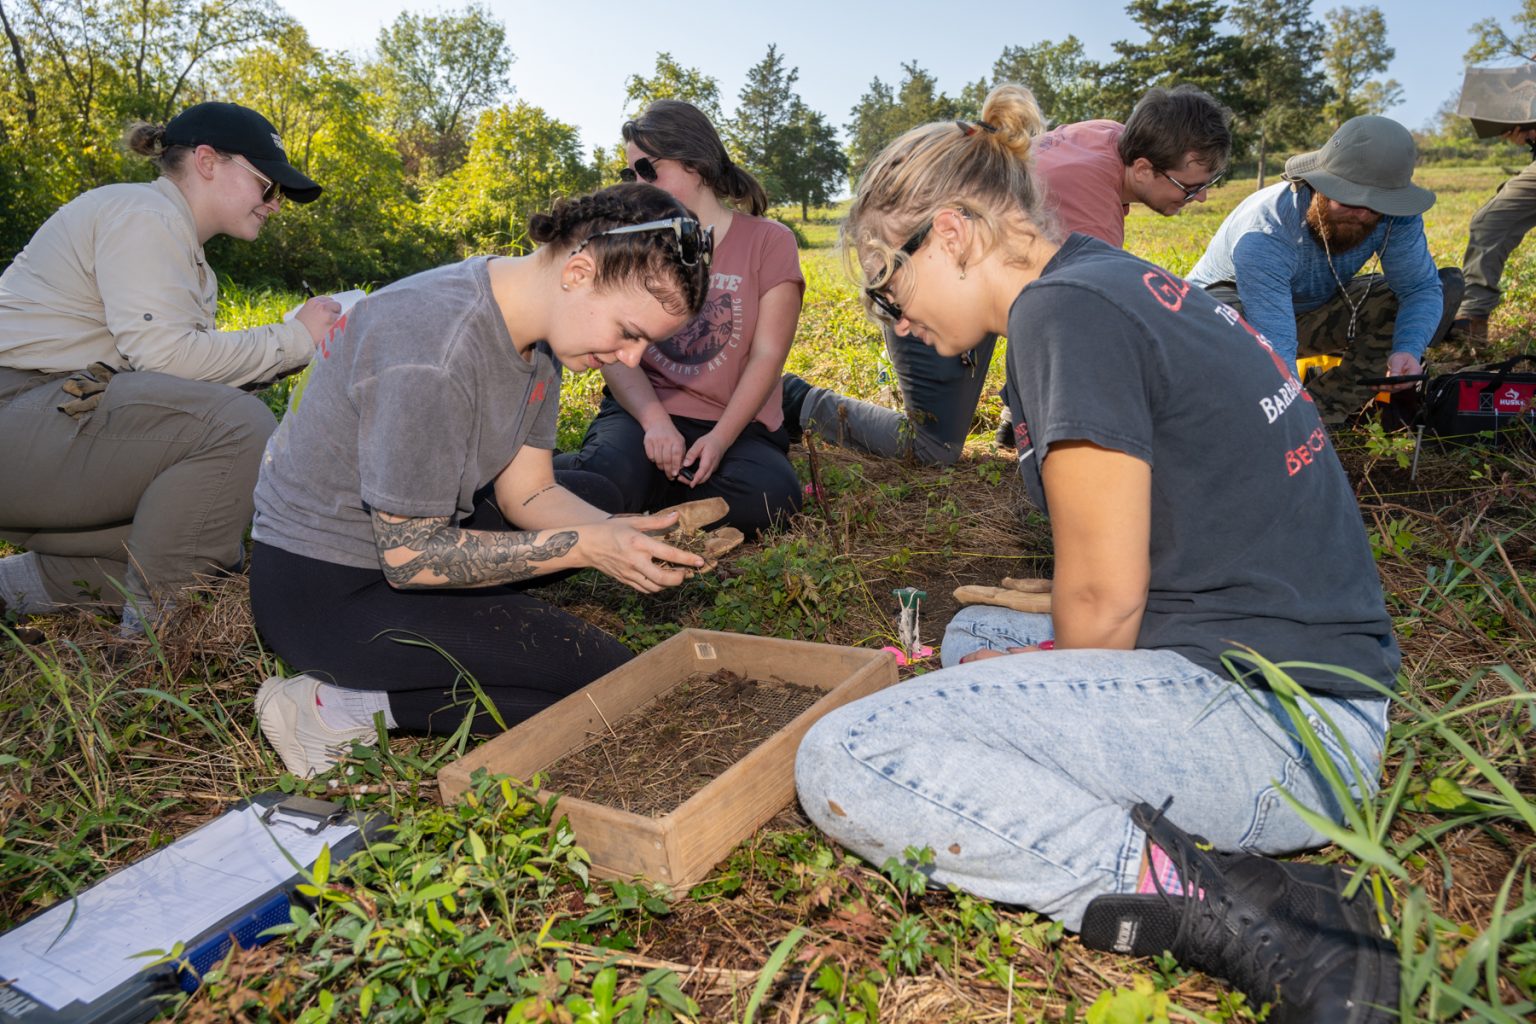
(231, 128)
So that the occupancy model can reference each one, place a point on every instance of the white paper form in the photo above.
(347, 299)
(173, 895)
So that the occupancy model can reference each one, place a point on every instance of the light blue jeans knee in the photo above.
(1019, 772)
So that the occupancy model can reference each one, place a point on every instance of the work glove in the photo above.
(87, 386)
(689, 534)
(1020, 595)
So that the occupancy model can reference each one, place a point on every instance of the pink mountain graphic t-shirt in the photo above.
(696, 371)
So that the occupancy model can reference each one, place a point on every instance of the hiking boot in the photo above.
(1280, 933)
(795, 391)
(1471, 329)
(290, 719)
(1005, 437)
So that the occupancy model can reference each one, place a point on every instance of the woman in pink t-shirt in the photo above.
(702, 415)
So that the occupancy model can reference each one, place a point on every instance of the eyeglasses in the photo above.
(269, 188)
(1190, 193)
(695, 244)
(881, 301)
(643, 170)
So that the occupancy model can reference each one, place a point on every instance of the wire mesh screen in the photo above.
(653, 759)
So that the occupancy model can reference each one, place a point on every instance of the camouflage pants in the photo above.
(1325, 331)
(1496, 229)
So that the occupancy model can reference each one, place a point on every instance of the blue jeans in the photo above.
(940, 394)
(1019, 772)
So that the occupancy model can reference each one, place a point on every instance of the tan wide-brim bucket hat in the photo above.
(1368, 162)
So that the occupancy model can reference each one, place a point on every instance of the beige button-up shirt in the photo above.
(117, 276)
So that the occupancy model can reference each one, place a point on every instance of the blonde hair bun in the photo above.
(1011, 109)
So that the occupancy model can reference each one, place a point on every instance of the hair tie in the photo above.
(969, 127)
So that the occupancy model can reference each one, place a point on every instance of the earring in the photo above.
(962, 273)
(565, 287)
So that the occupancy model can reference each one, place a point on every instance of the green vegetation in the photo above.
(424, 159)
(484, 910)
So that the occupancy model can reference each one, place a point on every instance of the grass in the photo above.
(483, 910)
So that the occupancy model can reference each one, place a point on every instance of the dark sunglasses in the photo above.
(643, 170)
(1190, 193)
(269, 188)
(878, 296)
(695, 244)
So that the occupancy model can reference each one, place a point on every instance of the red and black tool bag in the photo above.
(1482, 398)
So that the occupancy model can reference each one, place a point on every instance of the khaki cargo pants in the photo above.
(1324, 331)
(146, 492)
(1496, 229)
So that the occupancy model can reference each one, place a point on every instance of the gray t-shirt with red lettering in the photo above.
(418, 399)
(1256, 536)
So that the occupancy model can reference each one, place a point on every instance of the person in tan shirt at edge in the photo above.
(130, 451)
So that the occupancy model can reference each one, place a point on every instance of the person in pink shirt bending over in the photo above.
(1172, 148)
(701, 415)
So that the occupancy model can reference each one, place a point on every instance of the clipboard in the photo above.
(226, 881)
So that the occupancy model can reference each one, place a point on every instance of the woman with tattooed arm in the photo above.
(403, 509)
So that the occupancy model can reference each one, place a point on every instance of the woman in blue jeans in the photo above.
(1197, 508)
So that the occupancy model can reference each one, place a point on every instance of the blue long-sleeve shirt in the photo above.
(1280, 269)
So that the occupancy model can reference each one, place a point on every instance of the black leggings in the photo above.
(350, 627)
(754, 477)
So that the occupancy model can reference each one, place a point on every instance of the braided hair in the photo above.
(652, 257)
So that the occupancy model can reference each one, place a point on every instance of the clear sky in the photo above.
(573, 55)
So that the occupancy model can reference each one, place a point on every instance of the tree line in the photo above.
(426, 158)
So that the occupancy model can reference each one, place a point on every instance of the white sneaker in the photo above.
(291, 721)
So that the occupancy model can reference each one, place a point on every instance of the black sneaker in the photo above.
(795, 391)
(1005, 429)
(1278, 932)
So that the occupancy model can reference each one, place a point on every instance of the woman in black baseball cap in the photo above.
(112, 371)
(232, 129)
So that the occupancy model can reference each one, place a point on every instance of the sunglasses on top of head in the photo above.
(695, 244)
(643, 170)
(877, 295)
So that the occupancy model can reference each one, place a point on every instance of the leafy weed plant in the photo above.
(483, 911)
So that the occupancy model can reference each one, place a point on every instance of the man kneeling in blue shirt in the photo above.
(1288, 256)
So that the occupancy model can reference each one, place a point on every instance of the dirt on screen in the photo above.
(652, 760)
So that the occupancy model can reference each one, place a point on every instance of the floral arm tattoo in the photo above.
(462, 558)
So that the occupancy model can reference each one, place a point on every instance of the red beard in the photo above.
(1338, 234)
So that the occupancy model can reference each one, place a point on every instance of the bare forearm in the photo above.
(1100, 502)
(420, 552)
(549, 507)
(1089, 617)
(757, 381)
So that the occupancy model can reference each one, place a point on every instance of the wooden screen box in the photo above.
(679, 848)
